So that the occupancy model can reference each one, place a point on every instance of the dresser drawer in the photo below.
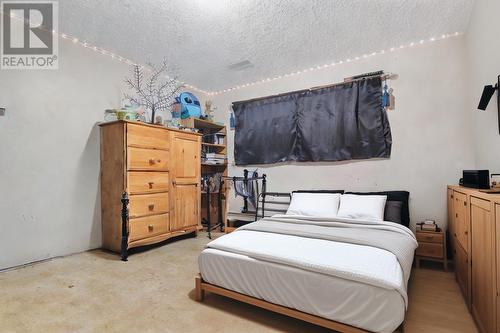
(147, 159)
(430, 237)
(144, 227)
(147, 182)
(148, 204)
(147, 137)
(432, 250)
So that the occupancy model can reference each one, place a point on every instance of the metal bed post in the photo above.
(125, 219)
(209, 211)
(220, 215)
(245, 200)
(264, 189)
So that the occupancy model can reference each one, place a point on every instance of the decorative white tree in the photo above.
(153, 93)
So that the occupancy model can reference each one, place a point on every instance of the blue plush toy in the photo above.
(189, 105)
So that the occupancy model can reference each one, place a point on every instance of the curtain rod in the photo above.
(383, 76)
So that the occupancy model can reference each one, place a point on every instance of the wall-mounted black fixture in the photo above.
(2, 111)
(488, 92)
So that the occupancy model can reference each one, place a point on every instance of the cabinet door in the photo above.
(461, 225)
(483, 263)
(451, 227)
(186, 173)
(186, 150)
(186, 210)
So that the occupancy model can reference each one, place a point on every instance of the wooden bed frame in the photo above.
(201, 287)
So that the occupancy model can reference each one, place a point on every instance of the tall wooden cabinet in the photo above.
(159, 171)
(474, 219)
(209, 130)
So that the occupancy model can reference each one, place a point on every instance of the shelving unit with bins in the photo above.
(207, 127)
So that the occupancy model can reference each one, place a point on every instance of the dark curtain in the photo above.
(336, 123)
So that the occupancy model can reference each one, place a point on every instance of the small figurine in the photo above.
(209, 112)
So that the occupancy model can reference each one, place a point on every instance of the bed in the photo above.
(345, 273)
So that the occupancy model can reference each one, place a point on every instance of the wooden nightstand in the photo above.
(431, 246)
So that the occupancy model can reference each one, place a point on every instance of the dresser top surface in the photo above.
(107, 123)
(476, 193)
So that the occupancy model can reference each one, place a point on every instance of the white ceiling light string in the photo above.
(105, 52)
(348, 60)
(115, 56)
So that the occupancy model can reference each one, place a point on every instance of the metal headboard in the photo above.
(270, 203)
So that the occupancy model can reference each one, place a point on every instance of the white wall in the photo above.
(432, 141)
(49, 141)
(49, 154)
(49, 148)
(483, 57)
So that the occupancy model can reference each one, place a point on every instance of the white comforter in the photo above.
(383, 257)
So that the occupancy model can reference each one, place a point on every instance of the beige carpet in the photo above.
(153, 292)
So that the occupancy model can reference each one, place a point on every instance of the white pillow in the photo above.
(314, 204)
(365, 207)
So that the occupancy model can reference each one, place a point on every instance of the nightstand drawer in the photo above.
(430, 237)
(432, 250)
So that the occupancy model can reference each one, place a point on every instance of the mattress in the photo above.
(354, 303)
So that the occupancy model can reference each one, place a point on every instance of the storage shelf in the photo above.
(199, 123)
(213, 145)
(202, 124)
(214, 165)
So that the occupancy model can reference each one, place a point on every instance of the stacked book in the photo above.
(214, 158)
(428, 226)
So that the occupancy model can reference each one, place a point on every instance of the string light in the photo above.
(339, 62)
(103, 51)
(114, 56)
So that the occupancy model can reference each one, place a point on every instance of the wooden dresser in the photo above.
(474, 227)
(157, 170)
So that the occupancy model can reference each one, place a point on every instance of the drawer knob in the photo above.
(466, 232)
(150, 227)
(151, 185)
(151, 161)
(151, 206)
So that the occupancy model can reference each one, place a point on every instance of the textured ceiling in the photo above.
(201, 39)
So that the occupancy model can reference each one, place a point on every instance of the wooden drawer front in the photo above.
(147, 182)
(462, 269)
(459, 196)
(144, 227)
(147, 159)
(461, 219)
(147, 137)
(430, 237)
(481, 203)
(148, 204)
(431, 250)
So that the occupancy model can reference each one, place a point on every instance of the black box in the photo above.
(476, 179)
